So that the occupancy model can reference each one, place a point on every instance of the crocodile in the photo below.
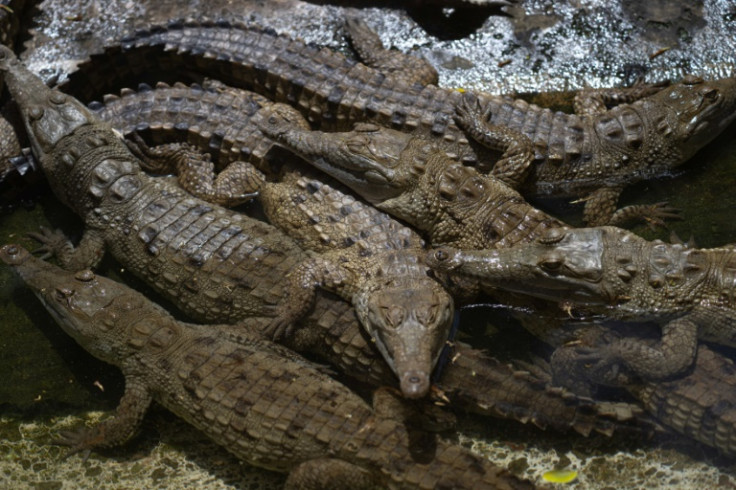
(414, 180)
(364, 255)
(593, 154)
(614, 273)
(265, 404)
(239, 271)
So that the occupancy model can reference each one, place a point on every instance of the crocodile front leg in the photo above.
(590, 101)
(238, 183)
(517, 148)
(86, 255)
(410, 69)
(116, 430)
(303, 283)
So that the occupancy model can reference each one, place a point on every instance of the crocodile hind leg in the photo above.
(671, 356)
(368, 45)
(329, 474)
(590, 101)
(517, 148)
(239, 182)
(600, 209)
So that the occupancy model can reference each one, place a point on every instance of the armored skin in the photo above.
(618, 275)
(593, 154)
(244, 274)
(363, 255)
(414, 180)
(263, 403)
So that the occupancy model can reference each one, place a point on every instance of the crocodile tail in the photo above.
(487, 386)
(701, 404)
(241, 55)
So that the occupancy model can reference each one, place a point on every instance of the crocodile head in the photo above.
(409, 323)
(367, 159)
(700, 110)
(76, 300)
(563, 265)
(48, 114)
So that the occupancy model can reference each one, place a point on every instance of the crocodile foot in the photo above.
(654, 215)
(281, 327)
(78, 441)
(53, 243)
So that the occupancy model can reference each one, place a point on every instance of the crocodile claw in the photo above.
(78, 441)
(469, 111)
(52, 241)
(281, 327)
(657, 213)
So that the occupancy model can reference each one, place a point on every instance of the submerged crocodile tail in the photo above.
(500, 390)
(701, 405)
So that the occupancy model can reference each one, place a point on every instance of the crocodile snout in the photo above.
(415, 384)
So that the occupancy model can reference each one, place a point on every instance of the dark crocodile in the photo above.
(259, 400)
(244, 273)
(593, 154)
(700, 403)
(613, 273)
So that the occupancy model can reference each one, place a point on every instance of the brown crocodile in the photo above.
(414, 180)
(219, 266)
(594, 154)
(611, 272)
(263, 403)
(364, 255)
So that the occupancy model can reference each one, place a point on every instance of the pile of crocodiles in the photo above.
(413, 206)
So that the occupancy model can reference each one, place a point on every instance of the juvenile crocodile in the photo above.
(364, 255)
(594, 154)
(234, 267)
(614, 273)
(412, 179)
(259, 400)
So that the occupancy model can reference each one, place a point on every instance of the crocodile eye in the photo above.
(711, 95)
(692, 80)
(394, 315)
(84, 276)
(552, 235)
(552, 262)
(63, 293)
(57, 98)
(426, 316)
(35, 112)
(375, 177)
